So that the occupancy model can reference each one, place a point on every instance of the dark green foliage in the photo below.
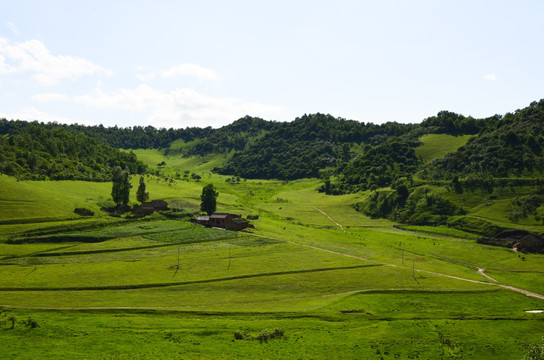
(263, 336)
(170, 336)
(30, 322)
(136, 137)
(446, 122)
(208, 199)
(416, 207)
(523, 206)
(231, 137)
(511, 147)
(300, 149)
(141, 194)
(379, 166)
(12, 319)
(40, 151)
(269, 334)
(456, 185)
(83, 212)
(238, 335)
(121, 186)
(535, 352)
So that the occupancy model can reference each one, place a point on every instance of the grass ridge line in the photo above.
(180, 283)
(103, 251)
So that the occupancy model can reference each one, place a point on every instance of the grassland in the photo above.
(436, 146)
(340, 285)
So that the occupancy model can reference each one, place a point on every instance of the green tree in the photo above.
(120, 191)
(536, 352)
(402, 194)
(208, 199)
(12, 319)
(141, 195)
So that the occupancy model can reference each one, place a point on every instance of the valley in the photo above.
(366, 289)
(373, 242)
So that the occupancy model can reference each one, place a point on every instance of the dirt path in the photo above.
(328, 217)
(481, 272)
(494, 283)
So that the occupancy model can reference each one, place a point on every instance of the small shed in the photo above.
(224, 221)
(149, 207)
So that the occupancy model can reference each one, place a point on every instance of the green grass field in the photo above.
(436, 146)
(339, 284)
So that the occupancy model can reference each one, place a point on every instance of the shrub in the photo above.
(264, 336)
(30, 322)
(242, 336)
(536, 352)
(270, 334)
(172, 337)
(83, 212)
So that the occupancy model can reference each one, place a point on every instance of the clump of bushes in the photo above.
(30, 322)
(523, 206)
(172, 337)
(263, 336)
(242, 336)
(6, 318)
(416, 207)
(267, 334)
(83, 212)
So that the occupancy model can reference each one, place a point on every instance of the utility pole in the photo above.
(229, 258)
(179, 249)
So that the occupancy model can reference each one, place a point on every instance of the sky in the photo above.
(184, 63)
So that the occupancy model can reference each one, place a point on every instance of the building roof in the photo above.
(219, 215)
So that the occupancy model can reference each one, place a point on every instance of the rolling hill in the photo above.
(398, 264)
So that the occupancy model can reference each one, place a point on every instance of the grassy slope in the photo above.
(311, 281)
(437, 145)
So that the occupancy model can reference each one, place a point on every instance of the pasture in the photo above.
(436, 146)
(339, 284)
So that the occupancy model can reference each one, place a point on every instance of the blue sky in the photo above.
(208, 63)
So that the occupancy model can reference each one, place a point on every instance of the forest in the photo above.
(38, 151)
(348, 156)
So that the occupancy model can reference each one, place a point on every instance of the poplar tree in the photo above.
(141, 195)
(208, 198)
(120, 191)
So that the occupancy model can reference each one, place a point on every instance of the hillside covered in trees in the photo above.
(446, 170)
(348, 155)
(510, 146)
(47, 151)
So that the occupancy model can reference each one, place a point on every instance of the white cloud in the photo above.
(192, 70)
(49, 97)
(13, 28)
(178, 108)
(145, 77)
(32, 114)
(490, 77)
(32, 56)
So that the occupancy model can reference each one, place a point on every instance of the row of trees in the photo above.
(121, 186)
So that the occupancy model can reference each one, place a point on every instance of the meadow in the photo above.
(337, 283)
(436, 146)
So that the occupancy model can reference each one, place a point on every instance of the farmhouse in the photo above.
(225, 221)
(148, 208)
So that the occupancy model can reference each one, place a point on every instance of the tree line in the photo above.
(38, 152)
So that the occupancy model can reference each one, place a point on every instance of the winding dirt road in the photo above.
(494, 283)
